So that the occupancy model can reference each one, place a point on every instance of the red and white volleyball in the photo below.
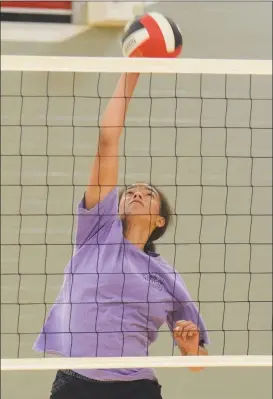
(153, 36)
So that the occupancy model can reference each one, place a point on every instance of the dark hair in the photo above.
(164, 211)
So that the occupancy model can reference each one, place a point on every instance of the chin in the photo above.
(134, 212)
(136, 209)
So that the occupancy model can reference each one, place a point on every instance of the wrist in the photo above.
(193, 352)
(184, 352)
(199, 352)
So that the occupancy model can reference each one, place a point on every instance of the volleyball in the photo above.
(152, 35)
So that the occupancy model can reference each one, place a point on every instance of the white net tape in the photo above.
(142, 65)
(136, 362)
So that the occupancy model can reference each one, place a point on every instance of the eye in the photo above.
(151, 194)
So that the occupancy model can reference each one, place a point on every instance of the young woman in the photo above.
(117, 291)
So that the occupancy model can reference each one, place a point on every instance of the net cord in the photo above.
(135, 362)
(142, 65)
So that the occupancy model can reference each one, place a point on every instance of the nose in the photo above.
(138, 195)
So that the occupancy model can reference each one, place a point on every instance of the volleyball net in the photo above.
(200, 130)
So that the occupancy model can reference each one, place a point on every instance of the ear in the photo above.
(160, 221)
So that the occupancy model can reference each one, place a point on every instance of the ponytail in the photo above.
(149, 247)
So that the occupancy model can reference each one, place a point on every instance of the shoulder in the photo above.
(108, 203)
(164, 266)
(166, 270)
(172, 278)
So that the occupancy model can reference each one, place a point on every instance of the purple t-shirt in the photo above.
(114, 297)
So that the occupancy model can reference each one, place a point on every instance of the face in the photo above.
(143, 201)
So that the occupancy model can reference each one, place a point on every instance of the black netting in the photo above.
(214, 167)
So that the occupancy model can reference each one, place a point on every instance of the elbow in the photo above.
(108, 139)
(104, 137)
(108, 145)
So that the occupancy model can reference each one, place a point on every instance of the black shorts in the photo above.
(70, 385)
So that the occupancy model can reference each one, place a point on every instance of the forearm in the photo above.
(201, 352)
(114, 116)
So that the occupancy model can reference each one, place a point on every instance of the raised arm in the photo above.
(104, 172)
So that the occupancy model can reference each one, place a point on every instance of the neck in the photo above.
(135, 233)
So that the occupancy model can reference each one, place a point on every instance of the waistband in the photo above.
(84, 378)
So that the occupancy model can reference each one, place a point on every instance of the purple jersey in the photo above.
(114, 297)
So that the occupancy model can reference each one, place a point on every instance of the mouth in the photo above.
(136, 201)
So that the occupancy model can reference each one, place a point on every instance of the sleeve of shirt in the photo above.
(92, 221)
(186, 309)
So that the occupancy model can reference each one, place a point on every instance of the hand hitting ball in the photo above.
(152, 35)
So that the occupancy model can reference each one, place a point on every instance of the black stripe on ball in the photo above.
(135, 26)
(176, 32)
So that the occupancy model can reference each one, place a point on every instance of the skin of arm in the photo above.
(104, 172)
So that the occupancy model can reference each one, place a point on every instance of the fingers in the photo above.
(185, 329)
(189, 331)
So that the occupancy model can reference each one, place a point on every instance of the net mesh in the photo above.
(204, 140)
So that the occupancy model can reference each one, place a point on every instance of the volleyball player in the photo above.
(117, 291)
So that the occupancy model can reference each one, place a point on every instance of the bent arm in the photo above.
(104, 172)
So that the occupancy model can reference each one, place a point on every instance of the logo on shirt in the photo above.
(155, 280)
